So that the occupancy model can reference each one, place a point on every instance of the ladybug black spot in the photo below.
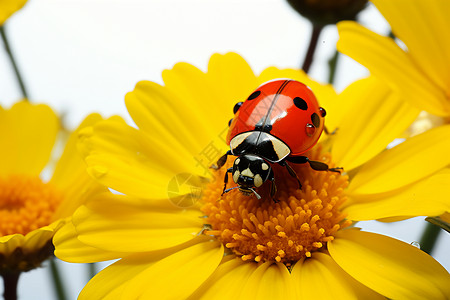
(323, 112)
(237, 106)
(315, 120)
(300, 103)
(254, 95)
(229, 122)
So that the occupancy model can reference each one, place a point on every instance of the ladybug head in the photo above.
(250, 171)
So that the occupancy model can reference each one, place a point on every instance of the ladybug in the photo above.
(278, 123)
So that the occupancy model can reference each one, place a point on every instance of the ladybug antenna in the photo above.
(256, 194)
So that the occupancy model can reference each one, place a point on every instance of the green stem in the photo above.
(57, 281)
(429, 237)
(332, 63)
(316, 30)
(10, 281)
(13, 62)
(92, 270)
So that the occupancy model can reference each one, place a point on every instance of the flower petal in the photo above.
(27, 135)
(7, 8)
(131, 161)
(390, 267)
(9, 243)
(388, 61)
(123, 224)
(167, 118)
(36, 239)
(70, 176)
(227, 280)
(412, 160)
(269, 281)
(70, 249)
(155, 275)
(424, 198)
(375, 119)
(321, 277)
(428, 42)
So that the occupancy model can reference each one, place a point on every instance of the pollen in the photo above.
(26, 204)
(297, 223)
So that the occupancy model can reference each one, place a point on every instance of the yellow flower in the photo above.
(421, 70)
(8, 7)
(32, 209)
(202, 245)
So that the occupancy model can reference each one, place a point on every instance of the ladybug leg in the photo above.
(315, 165)
(225, 180)
(291, 172)
(325, 129)
(221, 161)
(273, 188)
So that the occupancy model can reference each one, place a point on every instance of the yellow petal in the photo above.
(428, 41)
(155, 275)
(377, 116)
(232, 80)
(167, 118)
(389, 62)
(27, 135)
(36, 239)
(7, 8)
(424, 198)
(269, 281)
(9, 243)
(390, 267)
(196, 98)
(188, 268)
(227, 281)
(70, 249)
(131, 161)
(319, 277)
(70, 175)
(412, 160)
(123, 224)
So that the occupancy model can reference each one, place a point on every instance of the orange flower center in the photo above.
(26, 204)
(300, 222)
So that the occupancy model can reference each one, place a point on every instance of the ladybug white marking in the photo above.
(236, 176)
(247, 173)
(264, 166)
(258, 180)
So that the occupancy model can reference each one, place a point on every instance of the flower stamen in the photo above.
(299, 223)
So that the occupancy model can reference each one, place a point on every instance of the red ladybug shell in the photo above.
(286, 109)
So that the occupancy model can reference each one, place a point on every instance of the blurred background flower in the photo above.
(37, 193)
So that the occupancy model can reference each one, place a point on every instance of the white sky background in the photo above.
(83, 56)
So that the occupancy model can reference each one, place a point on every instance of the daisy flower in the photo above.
(32, 209)
(176, 237)
(8, 7)
(421, 69)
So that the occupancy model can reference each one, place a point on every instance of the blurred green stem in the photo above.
(13, 62)
(10, 281)
(57, 281)
(92, 270)
(316, 30)
(429, 237)
(332, 63)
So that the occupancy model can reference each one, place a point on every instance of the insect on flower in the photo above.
(278, 122)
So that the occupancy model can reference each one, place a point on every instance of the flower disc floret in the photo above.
(298, 223)
(26, 204)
